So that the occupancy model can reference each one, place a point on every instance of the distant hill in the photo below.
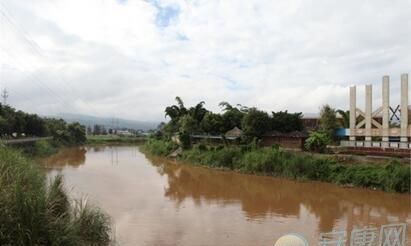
(88, 120)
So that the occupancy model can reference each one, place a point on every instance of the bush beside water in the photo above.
(36, 212)
(301, 166)
(159, 147)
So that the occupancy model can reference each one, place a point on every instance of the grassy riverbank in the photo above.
(37, 212)
(113, 139)
(41, 148)
(392, 177)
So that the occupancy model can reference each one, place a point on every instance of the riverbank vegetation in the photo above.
(37, 212)
(253, 122)
(393, 177)
(248, 155)
(16, 124)
(114, 139)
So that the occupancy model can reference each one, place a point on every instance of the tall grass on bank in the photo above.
(274, 162)
(35, 212)
(159, 147)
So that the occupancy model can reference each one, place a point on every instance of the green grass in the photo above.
(37, 212)
(113, 139)
(40, 148)
(393, 177)
(158, 147)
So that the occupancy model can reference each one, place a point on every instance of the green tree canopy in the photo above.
(328, 121)
(19, 122)
(212, 123)
(188, 124)
(255, 123)
(345, 118)
(232, 116)
(283, 121)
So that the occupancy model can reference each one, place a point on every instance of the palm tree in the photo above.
(345, 117)
(198, 111)
(226, 106)
(181, 106)
(174, 111)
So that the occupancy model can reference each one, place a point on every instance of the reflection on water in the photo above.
(154, 201)
(265, 196)
(73, 157)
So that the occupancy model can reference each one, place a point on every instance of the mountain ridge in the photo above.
(107, 122)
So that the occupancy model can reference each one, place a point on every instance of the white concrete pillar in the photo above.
(353, 112)
(368, 112)
(385, 108)
(404, 107)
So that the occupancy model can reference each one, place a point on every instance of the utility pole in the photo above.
(5, 95)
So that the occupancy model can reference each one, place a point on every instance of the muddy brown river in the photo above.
(154, 201)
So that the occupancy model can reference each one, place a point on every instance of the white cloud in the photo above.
(131, 58)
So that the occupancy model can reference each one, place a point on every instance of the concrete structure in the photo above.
(404, 109)
(385, 108)
(353, 111)
(372, 131)
(368, 114)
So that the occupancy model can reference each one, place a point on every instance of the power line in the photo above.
(4, 95)
(39, 82)
(34, 47)
(37, 51)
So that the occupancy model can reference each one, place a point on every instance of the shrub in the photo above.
(34, 212)
(259, 161)
(202, 147)
(185, 140)
(275, 146)
(43, 148)
(159, 147)
(397, 178)
(317, 142)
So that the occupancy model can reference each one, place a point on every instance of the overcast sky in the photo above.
(130, 58)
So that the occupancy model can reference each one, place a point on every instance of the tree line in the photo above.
(16, 123)
(253, 122)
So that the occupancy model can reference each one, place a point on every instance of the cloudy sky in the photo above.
(130, 58)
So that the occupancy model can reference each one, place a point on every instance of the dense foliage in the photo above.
(275, 162)
(159, 147)
(35, 212)
(18, 123)
(345, 118)
(328, 121)
(254, 122)
(317, 142)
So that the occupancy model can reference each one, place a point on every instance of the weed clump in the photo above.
(36, 212)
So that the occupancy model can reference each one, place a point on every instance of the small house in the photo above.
(233, 134)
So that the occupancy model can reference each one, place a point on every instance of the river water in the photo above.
(154, 201)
